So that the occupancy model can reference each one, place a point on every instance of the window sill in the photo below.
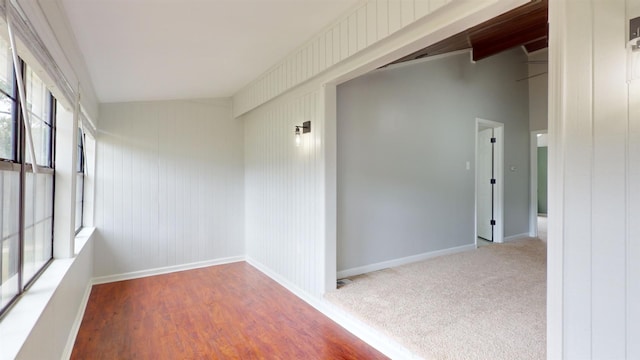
(21, 320)
(81, 239)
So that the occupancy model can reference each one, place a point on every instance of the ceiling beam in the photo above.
(523, 26)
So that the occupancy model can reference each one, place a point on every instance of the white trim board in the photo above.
(364, 332)
(165, 270)
(402, 261)
(73, 333)
(533, 205)
(498, 200)
(424, 60)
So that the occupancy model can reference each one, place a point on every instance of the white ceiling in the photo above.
(175, 49)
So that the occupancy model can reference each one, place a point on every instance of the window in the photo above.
(79, 181)
(26, 211)
(8, 135)
(39, 105)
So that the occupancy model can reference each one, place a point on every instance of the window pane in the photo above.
(7, 128)
(9, 242)
(38, 218)
(79, 202)
(39, 107)
(6, 68)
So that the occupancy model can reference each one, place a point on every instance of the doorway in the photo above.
(489, 182)
(539, 166)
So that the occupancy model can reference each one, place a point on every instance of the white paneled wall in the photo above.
(594, 307)
(633, 235)
(284, 190)
(170, 188)
(370, 22)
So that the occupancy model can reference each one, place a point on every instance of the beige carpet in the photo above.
(488, 303)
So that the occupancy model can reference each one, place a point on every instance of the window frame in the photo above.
(15, 117)
(19, 164)
(80, 158)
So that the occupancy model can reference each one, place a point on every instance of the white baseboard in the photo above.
(73, 333)
(165, 270)
(402, 261)
(366, 333)
(516, 237)
(280, 279)
(381, 342)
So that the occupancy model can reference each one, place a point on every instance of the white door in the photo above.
(485, 188)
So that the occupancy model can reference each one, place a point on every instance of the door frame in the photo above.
(533, 208)
(498, 160)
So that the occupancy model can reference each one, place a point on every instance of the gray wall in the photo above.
(404, 137)
(538, 90)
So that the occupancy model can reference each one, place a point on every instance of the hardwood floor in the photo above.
(221, 312)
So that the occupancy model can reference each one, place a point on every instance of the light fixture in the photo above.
(633, 50)
(305, 127)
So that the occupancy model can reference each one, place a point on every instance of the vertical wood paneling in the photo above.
(362, 28)
(408, 12)
(383, 18)
(282, 196)
(295, 71)
(421, 8)
(269, 84)
(328, 48)
(285, 75)
(322, 55)
(633, 235)
(298, 67)
(315, 57)
(169, 188)
(353, 34)
(372, 23)
(344, 39)
(609, 181)
(336, 45)
(310, 60)
(436, 4)
(395, 15)
(594, 116)
(577, 235)
(306, 63)
(277, 79)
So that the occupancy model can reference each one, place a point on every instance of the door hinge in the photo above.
(493, 222)
(493, 181)
(493, 140)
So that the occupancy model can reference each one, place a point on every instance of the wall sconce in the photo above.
(306, 127)
(633, 50)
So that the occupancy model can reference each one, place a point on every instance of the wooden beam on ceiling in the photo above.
(537, 45)
(523, 26)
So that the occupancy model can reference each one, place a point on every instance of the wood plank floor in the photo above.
(220, 312)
